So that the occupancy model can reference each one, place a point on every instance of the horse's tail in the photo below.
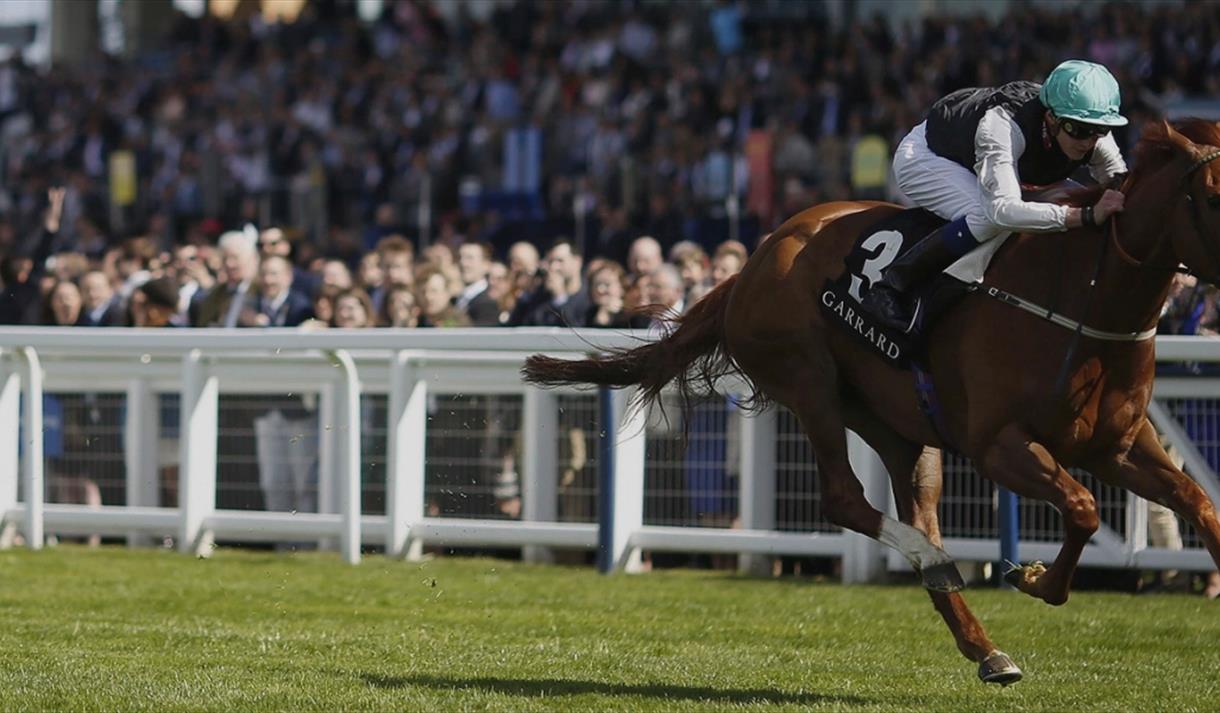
(693, 355)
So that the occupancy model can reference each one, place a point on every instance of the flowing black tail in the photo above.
(693, 355)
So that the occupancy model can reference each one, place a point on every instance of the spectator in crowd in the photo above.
(500, 289)
(20, 302)
(606, 292)
(155, 304)
(666, 297)
(399, 309)
(557, 297)
(275, 302)
(275, 241)
(523, 258)
(435, 305)
(644, 256)
(224, 303)
(352, 310)
(194, 279)
(474, 262)
(63, 307)
(397, 267)
(728, 260)
(335, 276)
(693, 266)
(133, 265)
(369, 274)
(102, 308)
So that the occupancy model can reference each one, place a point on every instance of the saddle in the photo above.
(876, 247)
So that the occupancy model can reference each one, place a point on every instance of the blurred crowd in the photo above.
(351, 150)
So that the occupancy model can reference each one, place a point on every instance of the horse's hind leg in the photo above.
(806, 382)
(916, 478)
(1148, 472)
(1024, 466)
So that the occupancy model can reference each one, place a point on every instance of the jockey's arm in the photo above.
(997, 145)
(1107, 161)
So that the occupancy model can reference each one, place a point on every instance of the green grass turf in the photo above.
(114, 629)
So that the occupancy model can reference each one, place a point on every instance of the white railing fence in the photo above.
(410, 370)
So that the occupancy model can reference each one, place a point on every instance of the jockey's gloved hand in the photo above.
(1111, 202)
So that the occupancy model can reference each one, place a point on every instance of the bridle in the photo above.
(1197, 221)
(1064, 368)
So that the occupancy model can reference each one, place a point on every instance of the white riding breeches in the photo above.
(940, 185)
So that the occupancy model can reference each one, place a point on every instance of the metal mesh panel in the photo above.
(577, 442)
(967, 501)
(1200, 418)
(374, 414)
(470, 446)
(798, 503)
(687, 480)
(968, 506)
(267, 453)
(169, 407)
(83, 448)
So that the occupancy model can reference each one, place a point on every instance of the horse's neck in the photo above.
(1138, 291)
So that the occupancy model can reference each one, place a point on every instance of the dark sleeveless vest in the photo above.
(953, 120)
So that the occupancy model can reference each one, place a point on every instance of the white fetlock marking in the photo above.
(912, 543)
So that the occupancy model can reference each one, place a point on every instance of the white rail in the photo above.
(406, 366)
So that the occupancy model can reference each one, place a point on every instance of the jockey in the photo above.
(979, 147)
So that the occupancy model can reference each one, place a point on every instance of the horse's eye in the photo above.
(1213, 200)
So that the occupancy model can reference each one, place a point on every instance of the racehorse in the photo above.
(1022, 397)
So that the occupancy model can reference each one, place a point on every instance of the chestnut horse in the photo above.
(995, 369)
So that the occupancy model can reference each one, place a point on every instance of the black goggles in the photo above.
(1080, 130)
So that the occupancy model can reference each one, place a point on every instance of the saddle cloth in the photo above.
(878, 246)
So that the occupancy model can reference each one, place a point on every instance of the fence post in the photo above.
(1137, 525)
(621, 491)
(140, 440)
(329, 453)
(757, 482)
(864, 557)
(538, 472)
(197, 453)
(350, 465)
(33, 456)
(10, 423)
(407, 424)
(1009, 531)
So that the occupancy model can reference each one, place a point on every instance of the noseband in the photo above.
(1214, 278)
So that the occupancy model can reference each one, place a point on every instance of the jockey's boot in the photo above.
(889, 299)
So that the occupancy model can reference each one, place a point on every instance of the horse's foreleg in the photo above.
(1026, 467)
(916, 495)
(1148, 472)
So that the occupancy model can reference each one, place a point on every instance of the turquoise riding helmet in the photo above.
(1083, 91)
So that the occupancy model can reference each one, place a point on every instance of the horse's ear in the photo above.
(1176, 139)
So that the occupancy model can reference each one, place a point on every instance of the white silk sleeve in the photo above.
(1107, 160)
(998, 144)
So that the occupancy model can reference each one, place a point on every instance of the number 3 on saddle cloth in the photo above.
(875, 249)
(878, 246)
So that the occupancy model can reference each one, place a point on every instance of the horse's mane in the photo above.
(1151, 153)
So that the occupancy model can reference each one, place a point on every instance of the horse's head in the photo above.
(1181, 163)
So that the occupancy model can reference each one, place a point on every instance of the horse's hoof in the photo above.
(1015, 576)
(943, 577)
(1023, 578)
(999, 668)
